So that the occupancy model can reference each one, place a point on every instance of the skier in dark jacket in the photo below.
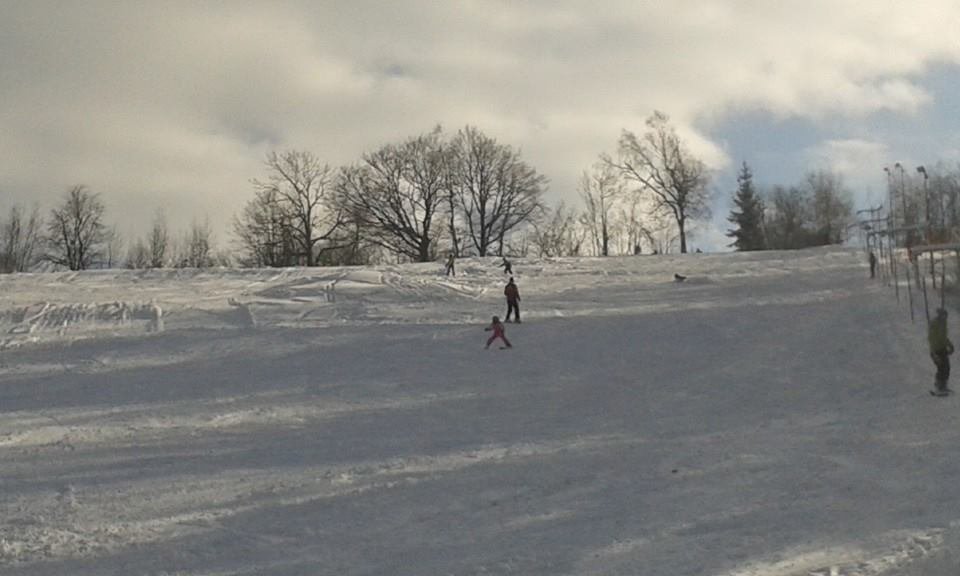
(873, 265)
(940, 350)
(450, 265)
(507, 266)
(513, 300)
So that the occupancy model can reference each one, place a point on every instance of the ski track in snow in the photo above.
(767, 417)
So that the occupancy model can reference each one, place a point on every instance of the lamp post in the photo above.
(890, 204)
(926, 198)
(903, 198)
(903, 191)
(891, 222)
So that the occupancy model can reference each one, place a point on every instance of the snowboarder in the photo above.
(513, 300)
(940, 350)
(507, 266)
(498, 332)
(449, 267)
(873, 265)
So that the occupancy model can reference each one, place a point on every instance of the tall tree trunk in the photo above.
(424, 249)
(454, 240)
(681, 222)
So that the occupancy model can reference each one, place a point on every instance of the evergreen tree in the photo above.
(748, 214)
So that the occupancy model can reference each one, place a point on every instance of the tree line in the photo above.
(465, 193)
(75, 236)
(816, 212)
(438, 193)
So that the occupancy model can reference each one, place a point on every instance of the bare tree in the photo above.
(75, 231)
(661, 233)
(832, 206)
(196, 246)
(265, 231)
(353, 246)
(303, 187)
(557, 233)
(629, 224)
(138, 256)
(20, 239)
(787, 219)
(398, 192)
(114, 246)
(661, 165)
(599, 190)
(942, 193)
(493, 189)
(159, 241)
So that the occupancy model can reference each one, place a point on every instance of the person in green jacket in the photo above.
(940, 350)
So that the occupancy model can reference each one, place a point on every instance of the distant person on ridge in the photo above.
(940, 350)
(498, 332)
(513, 300)
(507, 266)
(873, 265)
(450, 260)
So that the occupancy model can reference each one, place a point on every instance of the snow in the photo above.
(768, 416)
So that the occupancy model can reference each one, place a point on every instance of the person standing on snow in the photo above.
(450, 260)
(498, 332)
(513, 300)
(873, 265)
(940, 350)
(507, 266)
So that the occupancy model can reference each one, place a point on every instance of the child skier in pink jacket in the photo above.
(498, 332)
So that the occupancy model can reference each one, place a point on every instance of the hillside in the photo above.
(768, 416)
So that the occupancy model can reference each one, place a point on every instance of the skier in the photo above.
(513, 300)
(450, 261)
(507, 266)
(873, 265)
(940, 350)
(498, 332)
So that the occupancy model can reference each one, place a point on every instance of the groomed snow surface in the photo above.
(769, 416)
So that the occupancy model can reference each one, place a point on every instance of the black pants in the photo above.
(514, 307)
(942, 361)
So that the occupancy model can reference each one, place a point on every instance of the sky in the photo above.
(173, 106)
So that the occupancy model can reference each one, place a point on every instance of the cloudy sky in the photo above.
(173, 105)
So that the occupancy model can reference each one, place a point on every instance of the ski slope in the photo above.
(769, 416)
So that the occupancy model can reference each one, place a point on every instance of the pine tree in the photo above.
(748, 214)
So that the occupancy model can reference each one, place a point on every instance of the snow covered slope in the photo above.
(768, 416)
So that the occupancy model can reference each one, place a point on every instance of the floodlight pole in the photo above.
(892, 244)
(903, 198)
(926, 199)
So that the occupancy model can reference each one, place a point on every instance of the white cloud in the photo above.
(149, 102)
(859, 162)
(847, 156)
